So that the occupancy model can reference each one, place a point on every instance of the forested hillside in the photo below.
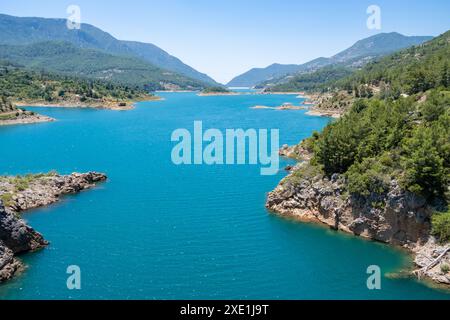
(362, 52)
(397, 69)
(65, 58)
(20, 84)
(409, 71)
(31, 30)
(314, 81)
(399, 133)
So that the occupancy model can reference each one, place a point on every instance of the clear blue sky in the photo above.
(226, 38)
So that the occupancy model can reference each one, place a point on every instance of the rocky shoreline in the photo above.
(333, 105)
(281, 108)
(19, 116)
(400, 218)
(218, 94)
(18, 194)
(323, 113)
(106, 104)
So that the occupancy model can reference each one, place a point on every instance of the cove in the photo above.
(156, 230)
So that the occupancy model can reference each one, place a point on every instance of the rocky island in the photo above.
(21, 193)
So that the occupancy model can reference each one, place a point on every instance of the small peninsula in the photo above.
(22, 87)
(216, 91)
(22, 193)
(10, 115)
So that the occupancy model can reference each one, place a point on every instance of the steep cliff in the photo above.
(15, 237)
(396, 216)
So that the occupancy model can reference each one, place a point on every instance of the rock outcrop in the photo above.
(296, 152)
(396, 217)
(26, 193)
(15, 237)
(10, 114)
(432, 258)
(42, 190)
(8, 264)
(22, 117)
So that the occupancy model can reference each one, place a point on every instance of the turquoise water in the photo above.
(160, 231)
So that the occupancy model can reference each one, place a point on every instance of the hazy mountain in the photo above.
(21, 31)
(159, 57)
(357, 55)
(380, 44)
(256, 75)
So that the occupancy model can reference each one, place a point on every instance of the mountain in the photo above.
(23, 31)
(312, 81)
(273, 72)
(357, 55)
(257, 75)
(409, 71)
(66, 58)
(379, 45)
(158, 57)
(406, 72)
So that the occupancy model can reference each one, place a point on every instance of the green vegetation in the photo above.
(410, 71)
(32, 30)
(353, 58)
(6, 199)
(24, 85)
(445, 268)
(67, 59)
(215, 90)
(307, 171)
(8, 116)
(11, 185)
(6, 105)
(379, 140)
(396, 129)
(319, 80)
(441, 226)
(22, 183)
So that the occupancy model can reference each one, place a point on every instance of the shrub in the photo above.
(307, 171)
(21, 183)
(424, 166)
(368, 177)
(445, 268)
(441, 225)
(6, 199)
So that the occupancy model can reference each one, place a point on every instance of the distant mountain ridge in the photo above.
(357, 55)
(25, 31)
(65, 58)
